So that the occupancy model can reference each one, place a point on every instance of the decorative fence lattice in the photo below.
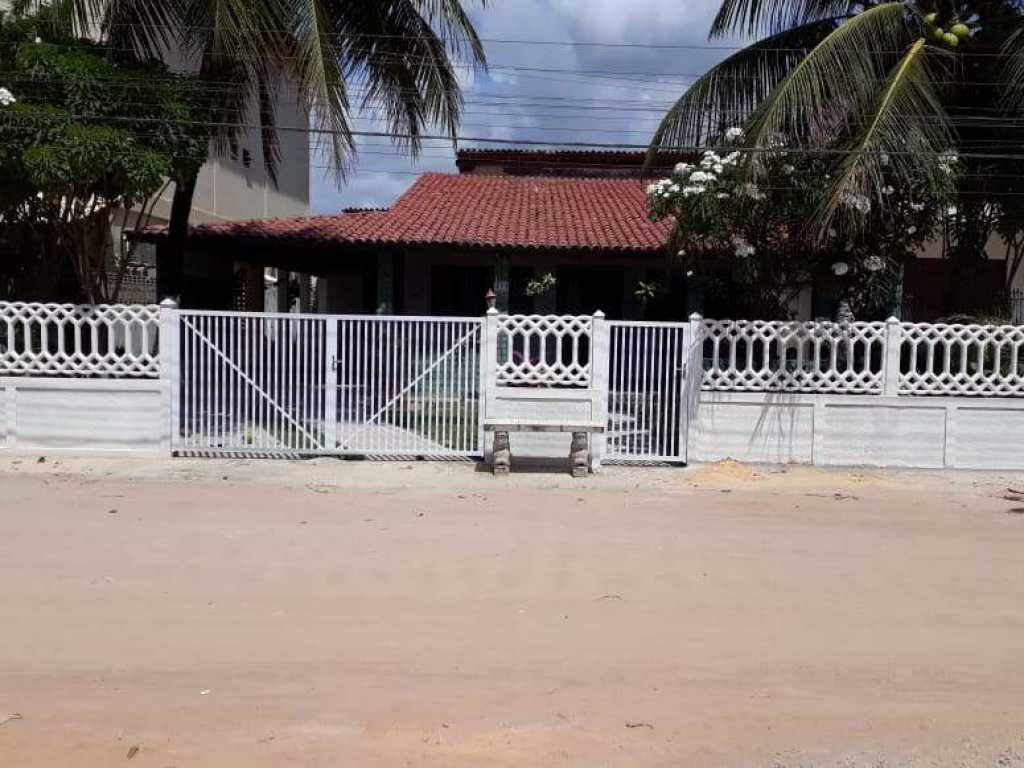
(979, 360)
(756, 355)
(547, 350)
(79, 340)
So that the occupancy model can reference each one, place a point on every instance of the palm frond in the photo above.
(1011, 72)
(823, 96)
(902, 139)
(729, 92)
(770, 17)
(146, 29)
(318, 72)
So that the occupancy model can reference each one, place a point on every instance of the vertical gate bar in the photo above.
(645, 368)
(330, 360)
(387, 433)
(187, 383)
(261, 354)
(345, 361)
(300, 384)
(438, 376)
(204, 411)
(460, 375)
(657, 391)
(442, 401)
(361, 382)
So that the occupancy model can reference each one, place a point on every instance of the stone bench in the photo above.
(579, 450)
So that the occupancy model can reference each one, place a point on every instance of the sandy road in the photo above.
(336, 614)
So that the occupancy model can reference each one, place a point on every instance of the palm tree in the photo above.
(399, 52)
(885, 88)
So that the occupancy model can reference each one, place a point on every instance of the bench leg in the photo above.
(502, 461)
(579, 455)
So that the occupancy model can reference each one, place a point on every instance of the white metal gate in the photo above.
(263, 384)
(409, 386)
(252, 383)
(648, 397)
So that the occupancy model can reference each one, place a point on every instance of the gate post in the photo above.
(170, 370)
(891, 364)
(488, 374)
(693, 378)
(331, 384)
(600, 361)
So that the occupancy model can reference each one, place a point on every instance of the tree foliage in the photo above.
(747, 242)
(74, 154)
(882, 90)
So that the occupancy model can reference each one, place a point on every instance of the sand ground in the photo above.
(209, 613)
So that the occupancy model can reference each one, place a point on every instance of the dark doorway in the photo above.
(459, 290)
(584, 290)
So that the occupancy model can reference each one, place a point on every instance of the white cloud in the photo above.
(521, 104)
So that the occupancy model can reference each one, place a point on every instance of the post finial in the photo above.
(599, 314)
(169, 303)
(892, 319)
(696, 317)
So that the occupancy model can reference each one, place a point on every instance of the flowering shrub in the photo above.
(756, 245)
(6, 98)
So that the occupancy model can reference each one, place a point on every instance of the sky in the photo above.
(596, 93)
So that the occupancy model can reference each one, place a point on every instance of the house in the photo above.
(508, 218)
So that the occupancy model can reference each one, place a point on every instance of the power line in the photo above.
(532, 142)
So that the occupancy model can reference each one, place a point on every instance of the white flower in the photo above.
(888, 190)
(38, 40)
(717, 167)
(788, 169)
(694, 189)
(743, 248)
(682, 168)
(840, 268)
(7, 98)
(946, 162)
(689, 273)
(732, 134)
(652, 189)
(831, 231)
(911, 230)
(722, 195)
(859, 203)
(951, 210)
(751, 190)
(917, 207)
(884, 158)
(874, 264)
(702, 177)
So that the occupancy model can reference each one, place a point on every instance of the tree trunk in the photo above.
(170, 259)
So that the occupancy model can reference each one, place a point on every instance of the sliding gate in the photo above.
(285, 384)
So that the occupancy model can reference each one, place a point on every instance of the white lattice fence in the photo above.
(962, 360)
(74, 340)
(548, 350)
(755, 355)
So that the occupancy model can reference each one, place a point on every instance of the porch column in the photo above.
(305, 293)
(385, 284)
(281, 294)
(501, 282)
(252, 275)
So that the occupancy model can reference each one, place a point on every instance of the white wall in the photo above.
(76, 415)
(859, 430)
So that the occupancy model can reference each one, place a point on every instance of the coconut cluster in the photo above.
(950, 37)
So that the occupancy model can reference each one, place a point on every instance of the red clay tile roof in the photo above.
(490, 211)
